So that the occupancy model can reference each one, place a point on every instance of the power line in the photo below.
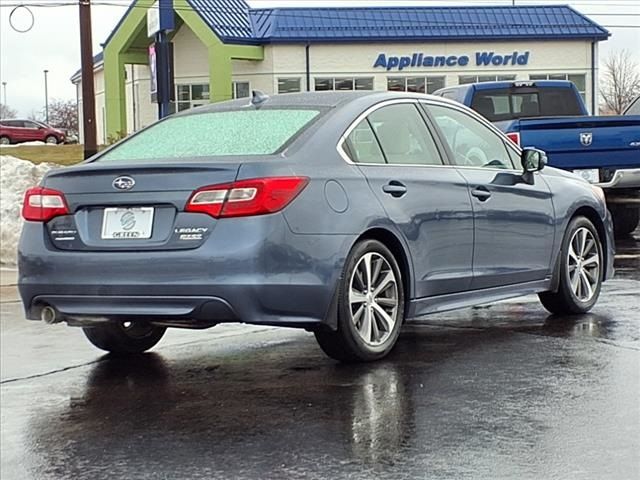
(291, 13)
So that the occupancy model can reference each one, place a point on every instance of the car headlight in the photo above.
(599, 193)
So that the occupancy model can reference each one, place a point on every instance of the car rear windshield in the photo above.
(499, 105)
(213, 134)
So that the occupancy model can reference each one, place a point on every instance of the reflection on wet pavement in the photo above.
(499, 392)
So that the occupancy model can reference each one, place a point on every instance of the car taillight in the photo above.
(42, 204)
(257, 196)
(514, 137)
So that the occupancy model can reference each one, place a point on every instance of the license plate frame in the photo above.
(137, 225)
(591, 175)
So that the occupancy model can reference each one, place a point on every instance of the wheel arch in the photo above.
(594, 217)
(392, 241)
(394, 244)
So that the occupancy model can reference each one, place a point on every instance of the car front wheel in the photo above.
(124, 337)
(370, 306)
(51, 139)
(581, 270)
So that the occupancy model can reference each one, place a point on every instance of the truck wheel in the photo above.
(370, 306)
(581, 270)
(625, 220)
(124, 337)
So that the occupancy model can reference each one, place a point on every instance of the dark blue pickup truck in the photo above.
(551, 116)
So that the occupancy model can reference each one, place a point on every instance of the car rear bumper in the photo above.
(623, 178)
(269, 276)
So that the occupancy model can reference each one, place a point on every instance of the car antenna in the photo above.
(258, 98)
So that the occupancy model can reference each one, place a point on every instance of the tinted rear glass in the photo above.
(498, 105)
(212, 134)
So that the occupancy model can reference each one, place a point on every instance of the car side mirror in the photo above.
(533, 160)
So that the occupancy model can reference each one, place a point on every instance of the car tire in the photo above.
(4, 140)
(123, 337)
(625, 220)
(51, 139)
(581, 270)
(370, 306)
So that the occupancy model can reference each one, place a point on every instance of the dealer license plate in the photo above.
(591, 175)
(127, 223)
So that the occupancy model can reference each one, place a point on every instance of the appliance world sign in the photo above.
(482, 59)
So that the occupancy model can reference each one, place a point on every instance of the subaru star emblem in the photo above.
(586, 138)
(123, 183)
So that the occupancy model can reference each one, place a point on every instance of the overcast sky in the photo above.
(53, 41)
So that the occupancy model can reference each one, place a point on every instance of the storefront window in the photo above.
(364, 83)
(344, 83)
(190, 96)
(288, 85)
(323, 84)
(465, 79)
(396, 84)
(415, 84)
(580, 81)
(241, 89)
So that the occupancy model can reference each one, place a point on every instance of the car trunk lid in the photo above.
(133, 207)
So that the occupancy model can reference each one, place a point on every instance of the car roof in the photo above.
(311, 100)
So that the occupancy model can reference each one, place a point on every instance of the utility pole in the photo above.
(46, 98)
(4, 93)
(88, 94)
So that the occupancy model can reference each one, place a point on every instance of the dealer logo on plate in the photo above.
(128, 220)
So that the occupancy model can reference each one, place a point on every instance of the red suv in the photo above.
(18, 131)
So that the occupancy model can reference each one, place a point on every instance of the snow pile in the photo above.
(35, 143)
(16, 176)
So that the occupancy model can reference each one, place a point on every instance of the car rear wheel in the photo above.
(370, 306)
(51, 139)
(5, 140)
(581, 270)
(625, 220)
(124, 337)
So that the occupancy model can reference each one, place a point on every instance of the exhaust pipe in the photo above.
(49, 315)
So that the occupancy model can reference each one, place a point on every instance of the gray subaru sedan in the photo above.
(342, 213)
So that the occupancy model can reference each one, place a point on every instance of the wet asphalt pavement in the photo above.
(500, 392)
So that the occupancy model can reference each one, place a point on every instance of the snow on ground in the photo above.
(16, 176)
(35, 143)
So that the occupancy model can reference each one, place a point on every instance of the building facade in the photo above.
(223, 49)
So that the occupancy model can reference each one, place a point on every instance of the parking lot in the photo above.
(504, 391)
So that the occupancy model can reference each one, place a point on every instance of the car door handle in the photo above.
(395, 189)
(481, 193)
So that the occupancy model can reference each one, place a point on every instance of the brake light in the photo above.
(514, 137)
(42, 204)
(258, 196)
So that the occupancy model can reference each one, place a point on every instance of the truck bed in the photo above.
(582, 142)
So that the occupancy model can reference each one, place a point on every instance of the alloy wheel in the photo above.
(373, 299)
(583, 264)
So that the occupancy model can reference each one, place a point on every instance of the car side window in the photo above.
(404, 136)
(362, 146)
(472, 143)
(31, 125)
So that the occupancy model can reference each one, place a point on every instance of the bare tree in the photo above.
(64, 114)
(37, 115)
(620, 81)
(7, 112)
